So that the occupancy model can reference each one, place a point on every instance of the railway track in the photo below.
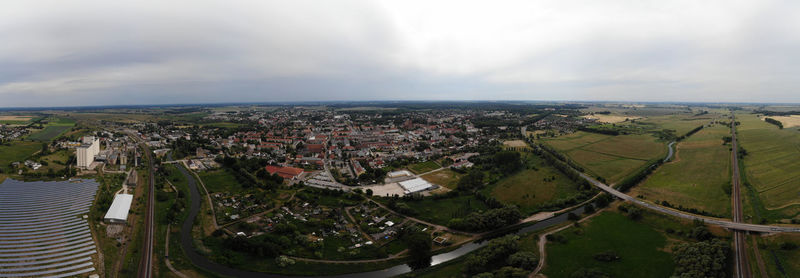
(739, 237)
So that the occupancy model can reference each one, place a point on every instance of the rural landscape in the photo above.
(418, 189)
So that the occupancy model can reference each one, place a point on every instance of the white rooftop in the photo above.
(398, 174)
(119, 207)
(415, 185)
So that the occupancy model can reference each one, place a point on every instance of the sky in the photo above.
(83, 53)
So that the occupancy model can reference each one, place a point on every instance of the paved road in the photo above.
(146, 262)
(713, 221)
(739, 240)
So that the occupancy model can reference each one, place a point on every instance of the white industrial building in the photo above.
(396, 174)
(87, 150)
(415, 185)
(118, 212)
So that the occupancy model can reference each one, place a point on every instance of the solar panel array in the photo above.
(42, 232)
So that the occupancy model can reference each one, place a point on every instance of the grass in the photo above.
(539, 183)
(610, 157)
(771, 164)
(220, 181)
(422, 167)
(53, 128)
(697, 176)
(639, 246)
(447, 178)
(442, 210)
(17, 151)
(780, 262)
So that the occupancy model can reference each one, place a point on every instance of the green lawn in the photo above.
(697, 177)
(220, 181)
(423, 167)
(442, 210)
(538, 184)
(639, 246)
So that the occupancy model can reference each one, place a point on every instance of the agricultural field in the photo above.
(537, 184)
(682, 123)
(447, 178)
(17, 151)
(781, 254)
(610, 157)
(640, 247)
(52, 129)
(771, 165)
(787, 121)
(697, 177)
(515, 144)
(16, 120)
(611, 119)
(422, 167)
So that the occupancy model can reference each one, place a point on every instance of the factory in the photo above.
(87, 150)
(118, 212)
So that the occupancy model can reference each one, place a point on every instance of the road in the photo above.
(739, 237)
(709, 220)
(146, 262)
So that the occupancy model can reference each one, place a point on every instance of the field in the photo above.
(422, 167)
(610, 157)
(15, 120)
(787, 121)
(515, 144)
(447, 178)
(771, 163)
(696, 176)
(17, 151)
(780, 262)
(639, 246)
(538, 184)
(440, 211)
(681, 123)
(220, 181)
(52, 129)
(611, 119)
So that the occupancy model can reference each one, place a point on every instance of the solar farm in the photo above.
(42, 229)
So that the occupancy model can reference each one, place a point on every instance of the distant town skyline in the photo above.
(93, 53)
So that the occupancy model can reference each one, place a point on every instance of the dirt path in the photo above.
(543, 244)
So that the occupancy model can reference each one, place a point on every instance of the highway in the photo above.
(739, 237)
(146, 262)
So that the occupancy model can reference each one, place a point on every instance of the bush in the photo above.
(607, 256)
(524, 259)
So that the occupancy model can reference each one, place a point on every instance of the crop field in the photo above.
(697, 176)
(15, 120)
(422, 167)
(17, 151)
(611, 157)
(682, 123)
(639, 246)
(447, 178)
(611, 118)
(530, 188)
(787, 121)
(52, 129)
(771, 165)
(515, 144)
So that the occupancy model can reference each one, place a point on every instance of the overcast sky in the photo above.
(65, 53)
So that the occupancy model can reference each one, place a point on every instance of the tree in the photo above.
(369, 192)
(523, 259)
(700, 259)
(419, 244)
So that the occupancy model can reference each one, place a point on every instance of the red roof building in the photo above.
(284, 172)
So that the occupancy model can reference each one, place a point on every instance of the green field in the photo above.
(696, 176)
(771, 165)
(447, 178)
(639, 246)
(54, 128)
(17, 151)
(440, 211)
(681, 123)
(780, 262)
(610, 157)
(422, 167)
(539, 183)
(220, 181)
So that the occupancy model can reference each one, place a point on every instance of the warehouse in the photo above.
(118, 212)
(415, 185)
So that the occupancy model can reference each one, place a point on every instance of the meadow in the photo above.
(220, 181)
(422, 167)
(17, 151)
(53, 128)
(447, 178)
(529, 188)
(697, 176)
(610, 157)
(771, 164)
(639, 246)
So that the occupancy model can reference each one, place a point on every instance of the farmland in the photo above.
(17, 151)
(539, 183)
(52, 129)
(16, 120)
(698, 175)
(771, 163)
(610, 157)
(639, 246)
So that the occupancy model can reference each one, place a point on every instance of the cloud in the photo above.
(139, 52)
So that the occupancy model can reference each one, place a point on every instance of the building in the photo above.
(415, 185)
(118, 212)
(87, 150)
(285, 172)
